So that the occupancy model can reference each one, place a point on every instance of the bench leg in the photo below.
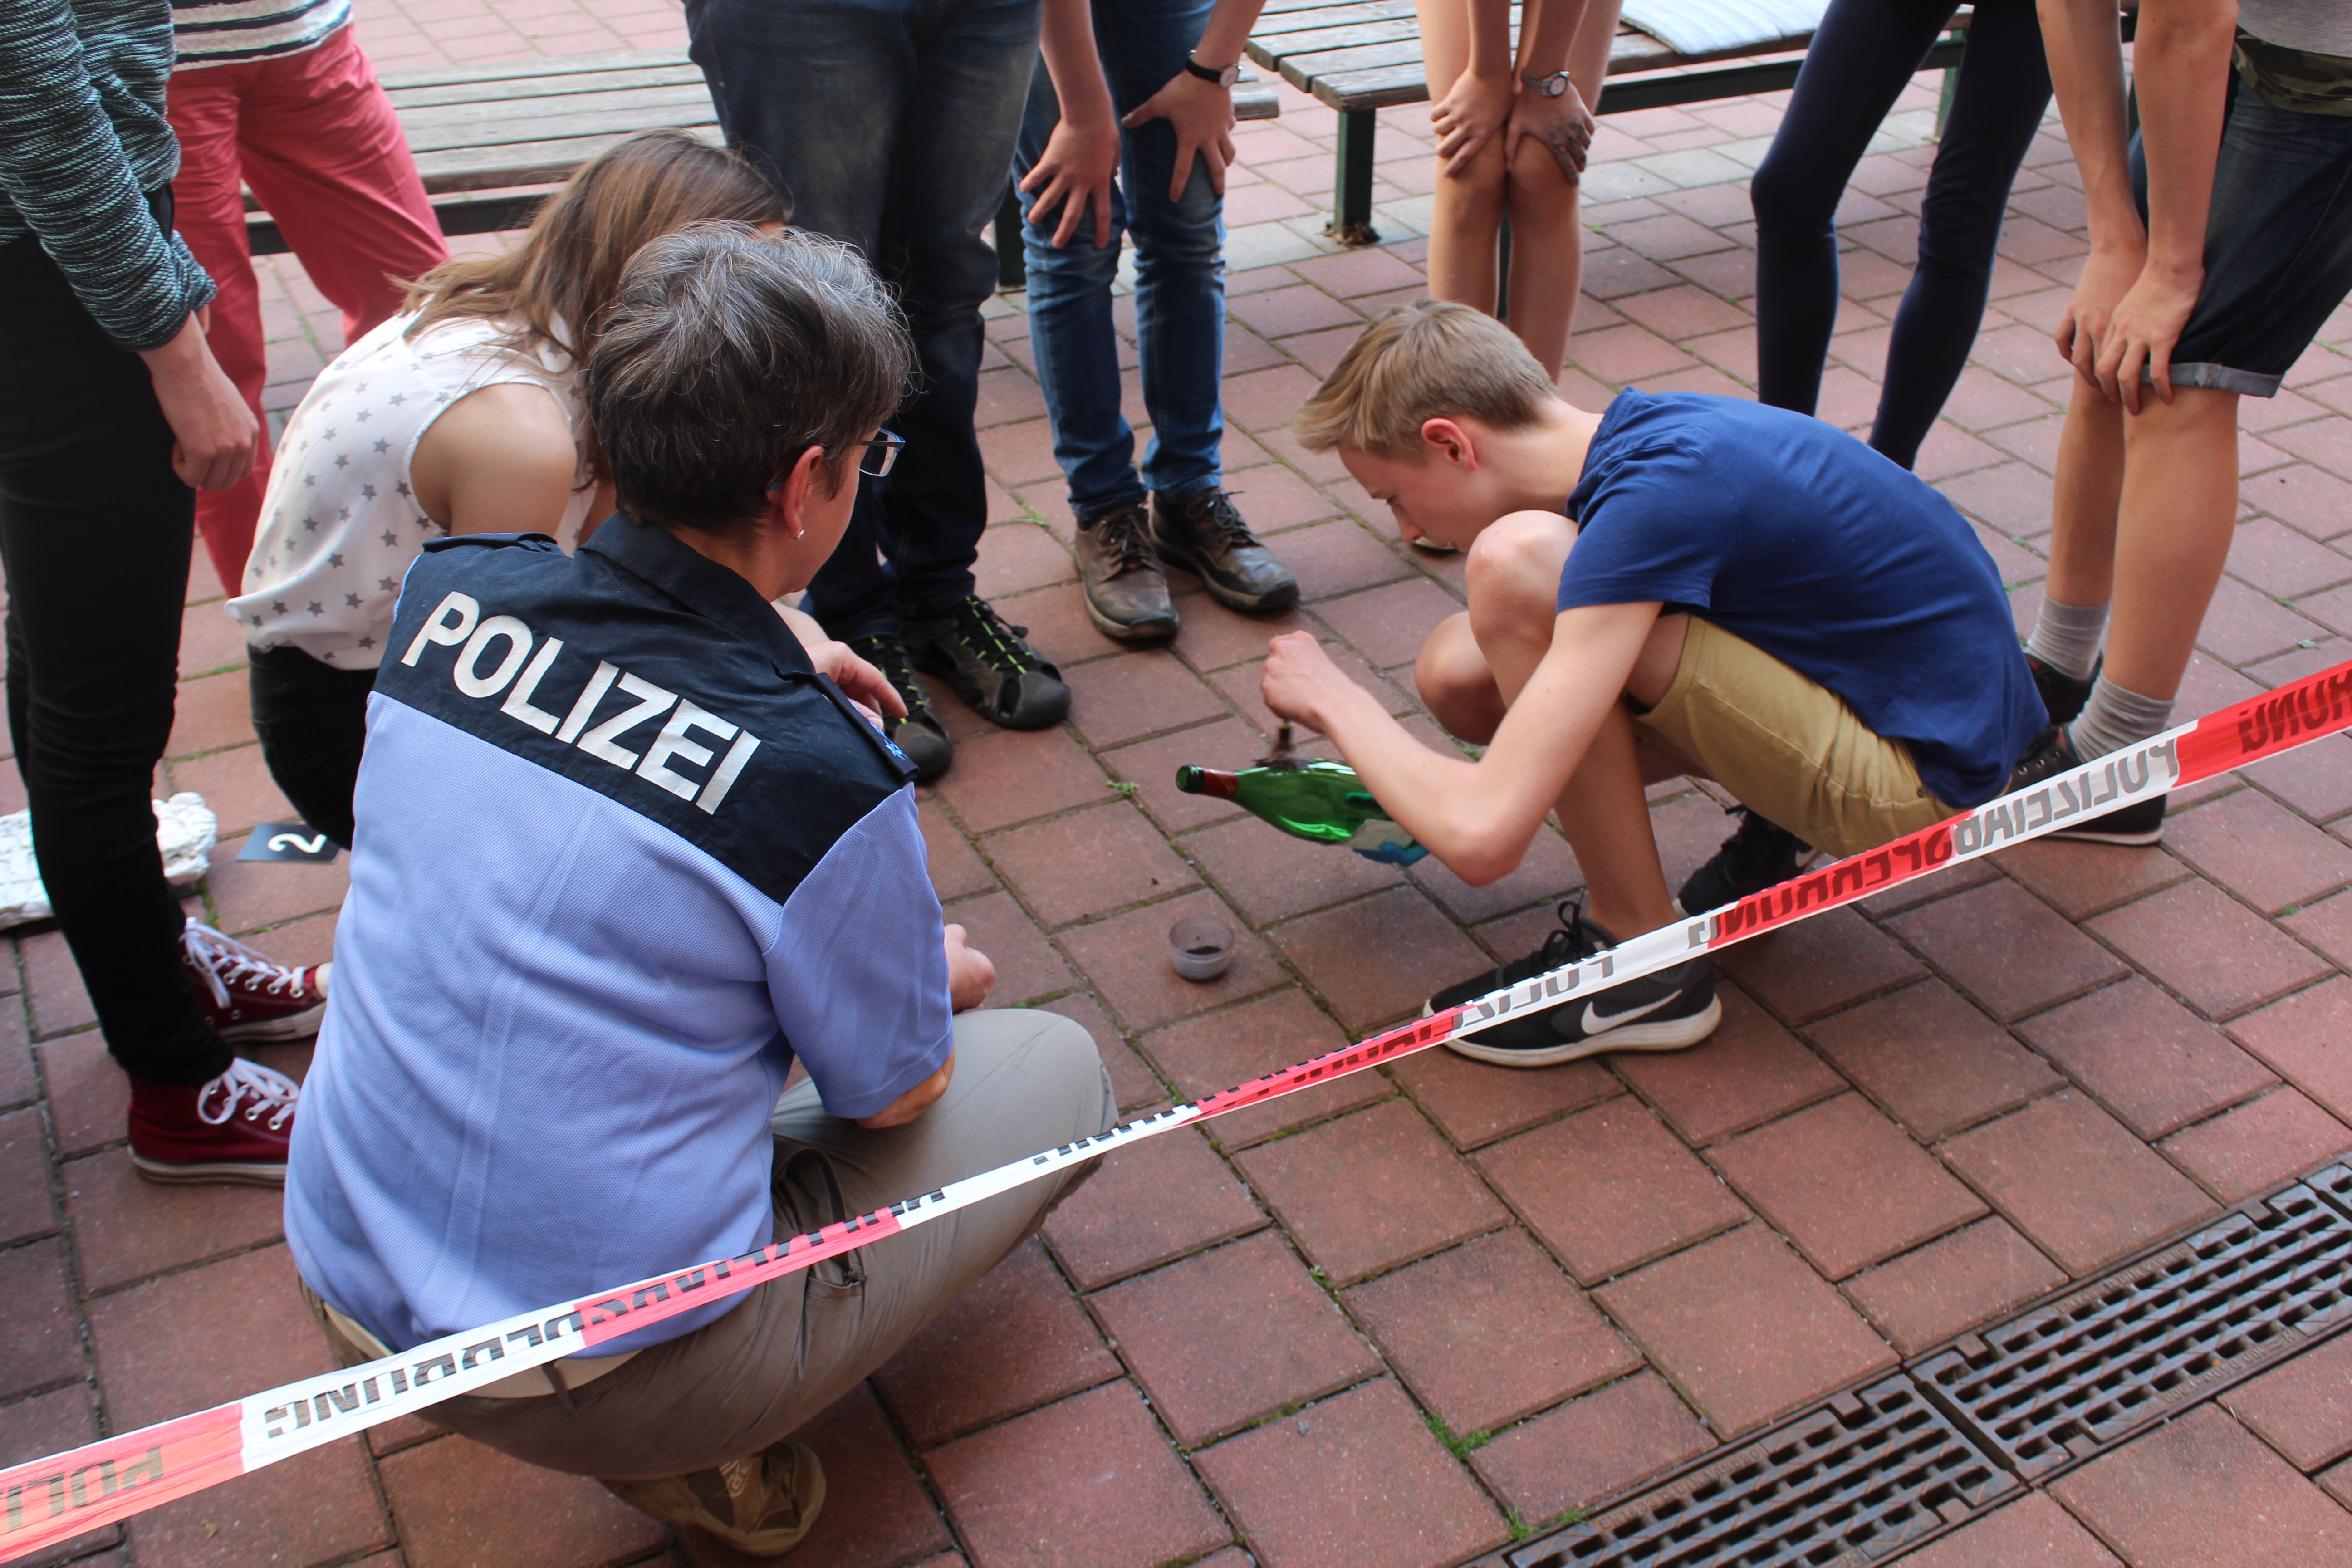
(1012, 267)
(1351, 217)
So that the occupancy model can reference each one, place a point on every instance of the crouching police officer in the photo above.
(626, 849)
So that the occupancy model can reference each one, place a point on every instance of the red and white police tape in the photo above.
(55, 1498)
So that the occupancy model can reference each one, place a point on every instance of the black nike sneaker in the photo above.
(1758, 856)
(2140, 823)
(1662, 1012)
(2063, 696)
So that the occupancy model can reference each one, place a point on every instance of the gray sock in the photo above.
(2066, 636)
(2114, 717)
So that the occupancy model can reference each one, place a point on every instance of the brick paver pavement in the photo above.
(1403, 1317)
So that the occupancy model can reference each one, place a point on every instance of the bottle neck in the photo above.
(1208, 781)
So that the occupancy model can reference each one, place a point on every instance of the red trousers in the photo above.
(315, 137)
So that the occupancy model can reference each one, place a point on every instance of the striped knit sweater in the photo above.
(82, 138)
(231, 32)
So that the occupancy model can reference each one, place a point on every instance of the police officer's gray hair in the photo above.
(726, 354)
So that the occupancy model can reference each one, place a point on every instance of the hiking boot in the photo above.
(2140, 823)
(2062, 694)
(762, 1505)
(919, 734)
(989, 664)
(1662, 1012)
(1203, 534)
(246, 997)
(234, 1128)
(1758, 856)
(1126, 593)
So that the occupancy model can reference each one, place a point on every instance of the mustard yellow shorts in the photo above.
(1790, 749)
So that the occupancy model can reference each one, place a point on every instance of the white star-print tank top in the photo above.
(340, 523)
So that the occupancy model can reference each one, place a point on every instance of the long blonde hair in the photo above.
(554, 287)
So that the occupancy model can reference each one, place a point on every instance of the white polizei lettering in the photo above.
(439, 627)
(599, 683)
(467, 671)
(651, 700)
(517, 703)
(672, 742)
(731, 767)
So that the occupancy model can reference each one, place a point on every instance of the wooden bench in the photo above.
(489, 139)
(1363, 56)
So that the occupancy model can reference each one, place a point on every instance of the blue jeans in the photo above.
(890, 124)
(1179, 283)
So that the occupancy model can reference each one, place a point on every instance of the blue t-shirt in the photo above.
(1833, 560)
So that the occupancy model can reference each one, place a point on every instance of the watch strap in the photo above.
(1224, 77)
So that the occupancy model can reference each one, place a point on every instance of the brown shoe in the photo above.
(1203, 534)
(762, 1504)
(1126, 597)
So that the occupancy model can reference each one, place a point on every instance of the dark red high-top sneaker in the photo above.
(234, 1128)
(246, 997)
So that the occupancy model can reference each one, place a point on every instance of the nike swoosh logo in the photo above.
(1595, 1022)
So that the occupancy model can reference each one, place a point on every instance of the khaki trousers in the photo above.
(1024, 1081)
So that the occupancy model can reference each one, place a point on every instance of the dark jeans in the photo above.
(95, 532)
(312, 721)
(1863, 56)
(890, 123)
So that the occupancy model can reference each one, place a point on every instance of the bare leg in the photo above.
(1547, 232)
(2179, 508)
(2090, 488)
(1468, 217)
(1455, 685)
(1513, 591)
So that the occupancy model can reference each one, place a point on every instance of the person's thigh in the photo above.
(1024, 1081)
(811, 90)
(953, 162)
(323, 151)
(2278, 246)
(1786, 747)
(1860, 59)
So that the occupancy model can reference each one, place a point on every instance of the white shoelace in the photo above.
(267, 1087)
(216, 955)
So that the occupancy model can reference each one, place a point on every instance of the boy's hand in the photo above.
(2147, 322)
(2108, 274)
(1300, 682)
(971, 974)
(1073, 173)
(1203, 114)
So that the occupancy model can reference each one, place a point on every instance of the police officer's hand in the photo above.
(971, 973)
(859, 682)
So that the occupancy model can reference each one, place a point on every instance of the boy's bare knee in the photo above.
(1519, 554)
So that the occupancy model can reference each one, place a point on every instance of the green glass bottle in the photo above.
(1322, 801)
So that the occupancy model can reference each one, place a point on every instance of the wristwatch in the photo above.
(1223, 75)
(1550, 86)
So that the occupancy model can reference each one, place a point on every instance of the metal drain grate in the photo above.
(1866, 1475)
(2335, 1184)
(2056, 1385)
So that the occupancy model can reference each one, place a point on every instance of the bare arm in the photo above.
(1075, 168)
(1477, 105)
(497, 461)
(2084, 40)
(2182, 65)
(915, 1101)
(1477, 817)
(1563, 125)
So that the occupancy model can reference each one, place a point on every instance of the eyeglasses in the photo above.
(880, 453)
(874, 458)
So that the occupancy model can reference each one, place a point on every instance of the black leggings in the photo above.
(1864, 55)
(312, 721)
(95, 532)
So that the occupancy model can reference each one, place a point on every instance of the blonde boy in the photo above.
(1674, 586)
